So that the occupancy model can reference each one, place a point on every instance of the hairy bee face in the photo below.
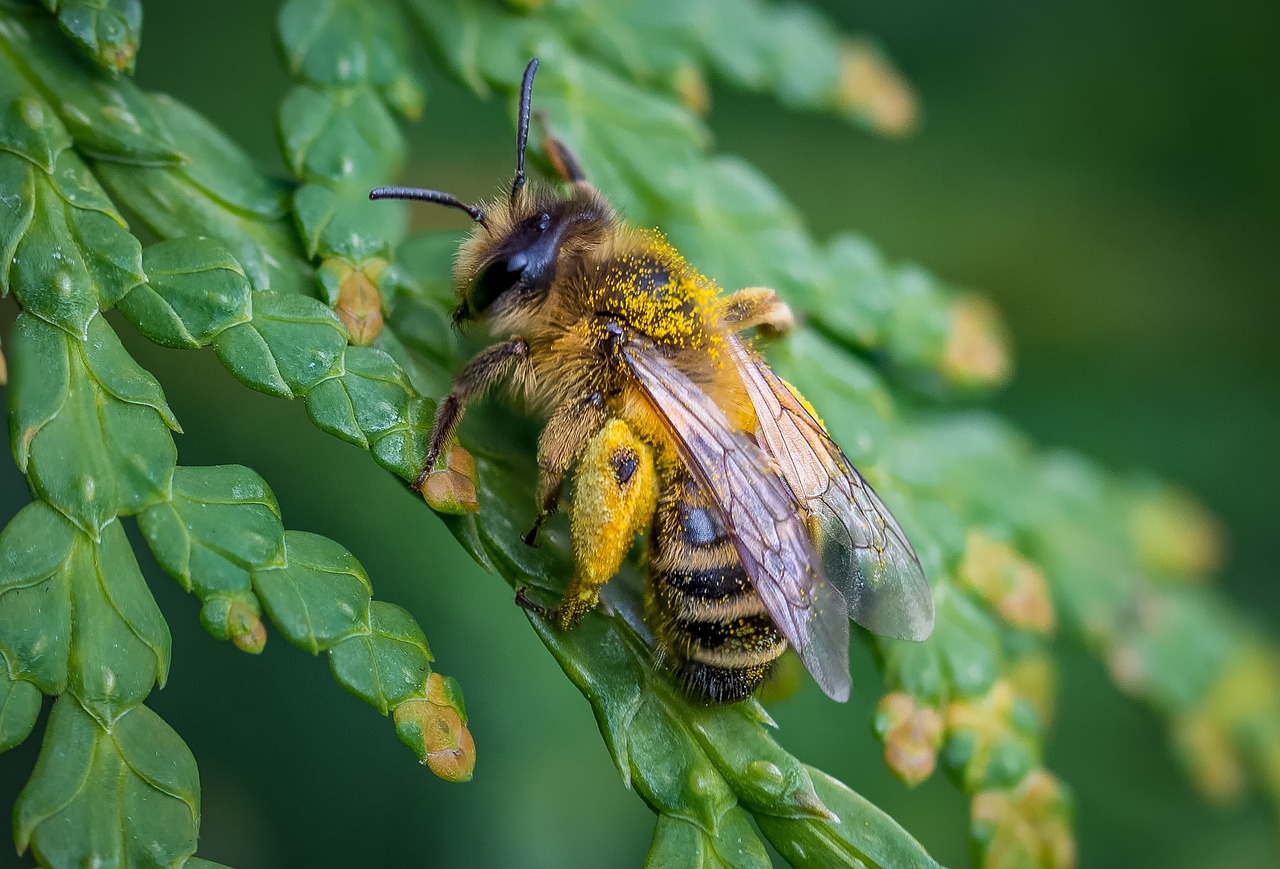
(513, 259)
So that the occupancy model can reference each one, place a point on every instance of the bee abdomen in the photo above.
(715, 627)
(720, 685)
(711, 625)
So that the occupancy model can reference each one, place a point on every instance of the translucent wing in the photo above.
(759, 514)
(864, 551)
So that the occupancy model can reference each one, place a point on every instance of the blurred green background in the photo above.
(1110, 173)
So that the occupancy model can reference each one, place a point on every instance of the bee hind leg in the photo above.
(613, 500)
(561, 158)
(757, 307)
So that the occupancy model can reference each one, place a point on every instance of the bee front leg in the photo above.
(757, 306)
(566, 435)
(485, 369)
(613, 500)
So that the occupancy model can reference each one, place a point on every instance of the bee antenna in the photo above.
(522, 132)
(437, 196)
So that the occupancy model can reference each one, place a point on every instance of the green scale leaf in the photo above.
(860, 835)
(345, 142)
(217, 192)
(120, 641)
(126, 794)
(336, 128)
(343, 43)
(341, 136)
(388, 665)
(600, 117)
(678, 842)
(373, 405)
(290, 344)
(36, 550)
(345, 224)
(107, 117)
(284, 346)
(107, 31)
(220, 524)
(195, 291)
(93, 402)
(73, 253)
(77, 614)
(19, 708)
(67, 250)
(318, 596)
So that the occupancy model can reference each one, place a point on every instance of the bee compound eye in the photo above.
(496, 279)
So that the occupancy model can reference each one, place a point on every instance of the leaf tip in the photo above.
(871, 90)
(435, 728)
(1014, 586)
(235, 620)
(451, 485)
(977, 353)
(1028, 824)
(912, 735)
(1175, 534)
(356, 297)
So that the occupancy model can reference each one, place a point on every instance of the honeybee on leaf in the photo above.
(761, 533)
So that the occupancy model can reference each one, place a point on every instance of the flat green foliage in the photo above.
(93, 433)
(337, 126)
(386, 665)
(254, 267)
(136, 777)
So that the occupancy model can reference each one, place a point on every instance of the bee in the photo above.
(761, 534)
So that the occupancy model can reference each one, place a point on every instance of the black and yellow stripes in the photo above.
(710, 623)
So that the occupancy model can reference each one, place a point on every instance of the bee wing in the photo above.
(760, 515)
(864, 552)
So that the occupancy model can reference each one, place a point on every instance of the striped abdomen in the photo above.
(711, 625)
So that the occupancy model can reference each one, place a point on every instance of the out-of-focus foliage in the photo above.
(306, 290)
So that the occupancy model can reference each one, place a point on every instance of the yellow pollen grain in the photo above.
(679, 314)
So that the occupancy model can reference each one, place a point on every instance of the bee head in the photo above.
(511, 257)
(512, 260)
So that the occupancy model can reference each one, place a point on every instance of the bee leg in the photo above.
(549, 488)
(562, 159)
(757, 307)
(613, 500)
(525, 602)
(485, 368)
(566, 435)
